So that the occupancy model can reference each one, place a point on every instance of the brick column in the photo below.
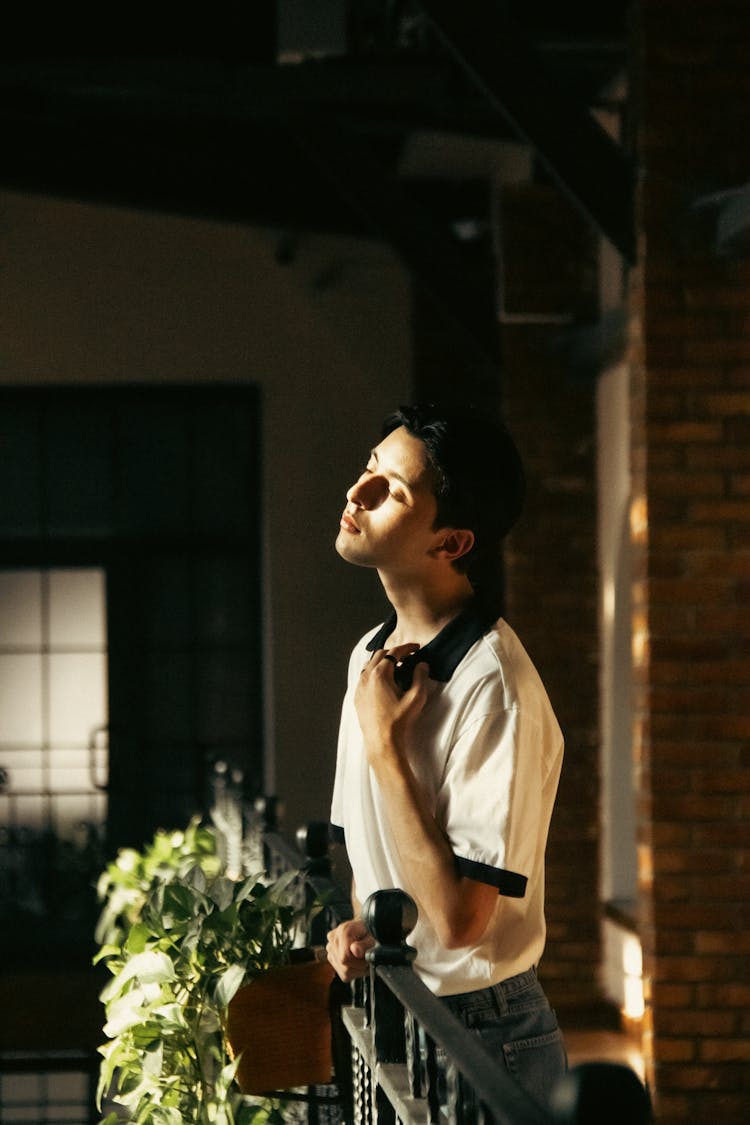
(690, 526)
(547, 282)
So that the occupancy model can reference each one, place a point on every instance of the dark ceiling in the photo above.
(188, 109)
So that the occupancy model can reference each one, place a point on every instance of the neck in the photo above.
(424, 608)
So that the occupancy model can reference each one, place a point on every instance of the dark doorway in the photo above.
(154, 494)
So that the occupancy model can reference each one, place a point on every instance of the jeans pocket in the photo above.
(537, 1063)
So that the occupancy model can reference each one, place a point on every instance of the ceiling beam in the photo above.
(584, 160)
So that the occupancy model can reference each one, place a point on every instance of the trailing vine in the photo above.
(179, 938)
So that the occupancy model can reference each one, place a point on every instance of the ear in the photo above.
(453, 543)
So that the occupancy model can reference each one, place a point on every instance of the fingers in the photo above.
(381, 668)
(392, 656)
(398, 652)
(358, 949)
(346, 949)
(421, 675)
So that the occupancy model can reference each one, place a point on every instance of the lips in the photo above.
(348, 524)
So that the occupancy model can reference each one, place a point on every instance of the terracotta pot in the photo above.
(280, 1024)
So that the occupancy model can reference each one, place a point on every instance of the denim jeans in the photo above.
(516, 1023)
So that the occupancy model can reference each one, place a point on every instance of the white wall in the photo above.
(617, 794)
(93, 294)
(620, 973)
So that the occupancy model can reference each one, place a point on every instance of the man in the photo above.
(449, 752)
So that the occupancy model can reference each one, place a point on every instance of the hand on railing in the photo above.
(589, 1094)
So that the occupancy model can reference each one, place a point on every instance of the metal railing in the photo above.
(424, 1066)
(402, 1058)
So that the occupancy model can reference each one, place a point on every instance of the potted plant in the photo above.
(182, 940)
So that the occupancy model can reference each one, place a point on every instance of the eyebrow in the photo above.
(392, 472)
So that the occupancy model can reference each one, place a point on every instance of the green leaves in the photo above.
(126, 882)
(147, 967)
(179, 938)
(227, 985)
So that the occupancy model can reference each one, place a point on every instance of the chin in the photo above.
(342, 546)
(346, 551)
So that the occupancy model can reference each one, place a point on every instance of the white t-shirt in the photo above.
(487, 752)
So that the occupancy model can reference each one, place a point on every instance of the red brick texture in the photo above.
(547, 277)
(548, 271)
(690, 378)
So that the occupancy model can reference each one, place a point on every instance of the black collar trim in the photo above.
(444, 652)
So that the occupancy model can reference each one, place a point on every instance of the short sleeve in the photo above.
(348, 717)
(489, 801)
(338, 797)
(336, 826)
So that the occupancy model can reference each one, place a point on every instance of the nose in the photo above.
(367, 492)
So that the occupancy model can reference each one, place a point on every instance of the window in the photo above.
(60, 1097)
(53, 699)
(129, 661)
(129, 631)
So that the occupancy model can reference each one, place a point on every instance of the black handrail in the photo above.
(496, 1090)
(405, 1056)
(474, 1086)
(390, 916)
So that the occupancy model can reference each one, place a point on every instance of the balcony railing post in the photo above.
(389, 916)
(405, 1057)
(312, 841)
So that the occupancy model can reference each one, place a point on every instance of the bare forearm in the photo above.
(458, 908)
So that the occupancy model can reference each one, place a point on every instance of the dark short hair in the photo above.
(479, 481)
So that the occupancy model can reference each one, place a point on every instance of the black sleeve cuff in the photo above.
(336, 834)
(508, 883)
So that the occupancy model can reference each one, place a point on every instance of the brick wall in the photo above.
(547, 282)
(690, 369)
(546, 278)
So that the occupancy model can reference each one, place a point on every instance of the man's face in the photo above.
(388, 519)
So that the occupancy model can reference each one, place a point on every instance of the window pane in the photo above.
(46, 1096)
(77, 609)
(77, 696)
(19, 1088)
(21, 698)
(68, 1096)
(20, 608)
(68, 771)
(25, 769)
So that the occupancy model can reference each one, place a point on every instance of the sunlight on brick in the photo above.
(638, 519)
